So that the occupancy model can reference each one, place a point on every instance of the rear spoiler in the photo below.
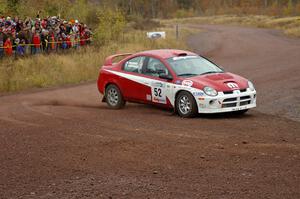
(109, 60)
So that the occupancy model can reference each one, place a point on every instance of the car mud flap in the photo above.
(104, 99)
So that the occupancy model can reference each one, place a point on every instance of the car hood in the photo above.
(219, 81)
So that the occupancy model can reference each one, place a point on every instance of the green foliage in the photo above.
(85, 10)
(110, 26)
(2, 6)
(12, 6)
(29, 8)
(182, 13)
(56, 7)
(184, 4)
(289, 8)
(140, 23)
(79, 10)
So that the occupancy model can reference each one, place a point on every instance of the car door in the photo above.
(132, 83)
(160, 89)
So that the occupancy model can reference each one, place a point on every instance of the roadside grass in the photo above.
(289, 25)
(77, 66)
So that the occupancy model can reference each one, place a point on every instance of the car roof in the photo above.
(166, 53)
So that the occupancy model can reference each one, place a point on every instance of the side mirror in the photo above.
(165, 76)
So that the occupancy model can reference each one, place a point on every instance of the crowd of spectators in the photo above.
(32, 36)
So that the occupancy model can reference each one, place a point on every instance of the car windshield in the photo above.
(187, 66)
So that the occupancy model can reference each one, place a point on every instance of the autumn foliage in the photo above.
(87, 9)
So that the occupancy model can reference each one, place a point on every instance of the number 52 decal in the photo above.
(158, 92)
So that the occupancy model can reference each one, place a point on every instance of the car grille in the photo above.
(231, 92)
(229, 105)
(245, 103)
(236, 101)
(230, 99)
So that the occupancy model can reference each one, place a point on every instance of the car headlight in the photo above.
(251, 86)
(210, 91)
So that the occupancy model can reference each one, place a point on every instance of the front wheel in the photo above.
(114, 98)
(186, 105)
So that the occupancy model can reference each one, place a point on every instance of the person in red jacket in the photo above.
(52, 41)
(8, 47)
(68, 40)
(36, 40)
(82, 38)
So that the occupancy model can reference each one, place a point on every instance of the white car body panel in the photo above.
(205, 103)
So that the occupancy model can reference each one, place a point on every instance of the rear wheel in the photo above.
(186, 105)
(114, 98)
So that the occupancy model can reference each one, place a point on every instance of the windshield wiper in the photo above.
(211, 72)
(187, 74)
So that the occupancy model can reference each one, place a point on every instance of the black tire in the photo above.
(183, 101)
(114, 97)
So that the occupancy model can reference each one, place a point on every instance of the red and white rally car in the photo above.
(177, 79)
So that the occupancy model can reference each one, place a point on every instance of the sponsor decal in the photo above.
(157, 84)
(198, 93)
(178, 82)
(232, 85)
(183, 57)
(156, 35)
(158, 100)
(188, 83)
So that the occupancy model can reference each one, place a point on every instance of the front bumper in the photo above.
(227, 102)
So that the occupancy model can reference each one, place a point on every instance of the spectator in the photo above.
(20, 50)
(44, 40)
(69, 41)
(36, 40)
(47, 34)
(52, 42)
(8, 47)
(1, 45)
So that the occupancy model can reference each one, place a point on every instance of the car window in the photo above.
(187, 66)
(134, 65)
(155, 67)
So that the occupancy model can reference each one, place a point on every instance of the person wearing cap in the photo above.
(20, 50)
(45, 40)
(76, 35)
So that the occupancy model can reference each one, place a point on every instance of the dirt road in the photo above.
(269, 59)
(64, 143)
